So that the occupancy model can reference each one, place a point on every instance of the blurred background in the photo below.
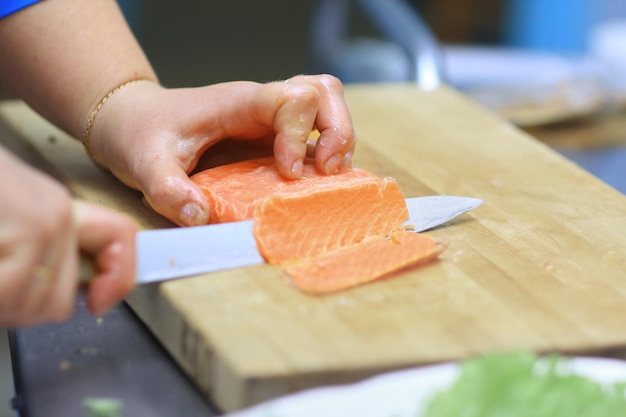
(199, 42)
(555, 68)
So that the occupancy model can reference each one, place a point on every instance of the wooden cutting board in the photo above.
(541, 265)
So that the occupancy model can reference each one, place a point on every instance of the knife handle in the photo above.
(86, 269)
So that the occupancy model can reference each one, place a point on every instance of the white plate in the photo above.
(399, 394)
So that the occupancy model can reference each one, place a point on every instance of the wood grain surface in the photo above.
(541, 265)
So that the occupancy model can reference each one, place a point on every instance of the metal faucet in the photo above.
(395, 19)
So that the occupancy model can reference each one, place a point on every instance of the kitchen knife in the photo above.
(164, 254)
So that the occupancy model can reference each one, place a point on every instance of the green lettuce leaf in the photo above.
(523, 385)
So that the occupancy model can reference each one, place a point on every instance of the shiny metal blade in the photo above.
(174, 253)
(432, 211)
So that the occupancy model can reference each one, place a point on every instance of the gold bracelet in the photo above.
(94, 113)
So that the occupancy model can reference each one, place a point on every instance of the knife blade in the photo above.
(164, 254)
(431, 211)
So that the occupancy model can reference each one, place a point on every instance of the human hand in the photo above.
(41, 234)
(152, 138)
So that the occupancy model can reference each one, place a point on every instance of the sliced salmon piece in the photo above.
(329, 232)
(293, 225)
(234, 189)
(373, 258)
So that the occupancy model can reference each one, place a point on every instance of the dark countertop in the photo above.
(57, 366)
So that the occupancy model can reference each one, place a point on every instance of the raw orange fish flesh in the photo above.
(329, 232)
(293, 225)
(234, 189)
(373, 258)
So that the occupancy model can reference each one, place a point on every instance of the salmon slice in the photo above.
(293, 225)
(328, 232)
(371, 259)
(234, 189)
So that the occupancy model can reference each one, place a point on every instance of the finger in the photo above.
(59, 287)
(169, 191)
(30, 287)
(336, 142)
(110, 239)
(40, 281)
(293, 121)
(310, 147)
(39, 293)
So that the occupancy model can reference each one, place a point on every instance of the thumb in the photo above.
(169, 191)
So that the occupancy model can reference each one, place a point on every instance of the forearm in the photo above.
(63, 56)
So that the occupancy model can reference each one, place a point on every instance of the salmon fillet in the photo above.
(329, 232)
(233, 189)
(293, 225)
(373, 258)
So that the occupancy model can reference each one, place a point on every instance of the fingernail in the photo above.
(192, 215)
(296, 169)
(332, 164)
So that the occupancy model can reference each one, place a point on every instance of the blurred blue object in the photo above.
(556, 25)
(553, 25)
(606, 163)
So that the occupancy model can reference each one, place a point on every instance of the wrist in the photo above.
(97, 121)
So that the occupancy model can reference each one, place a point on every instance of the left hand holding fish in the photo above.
(151, 137)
